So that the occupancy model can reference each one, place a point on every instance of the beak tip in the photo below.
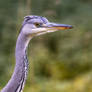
(71, 27)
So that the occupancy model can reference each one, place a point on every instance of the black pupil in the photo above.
(37, 24)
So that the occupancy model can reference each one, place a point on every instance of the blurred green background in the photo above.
(60, 61)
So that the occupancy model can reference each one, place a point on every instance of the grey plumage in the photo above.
(17, 81)
(32, 26)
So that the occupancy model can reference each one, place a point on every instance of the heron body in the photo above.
(31, 27)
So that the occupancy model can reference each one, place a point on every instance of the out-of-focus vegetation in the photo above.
(60, 61)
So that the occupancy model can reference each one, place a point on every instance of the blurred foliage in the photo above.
(60, 61)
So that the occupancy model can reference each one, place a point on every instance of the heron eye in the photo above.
(37, 24)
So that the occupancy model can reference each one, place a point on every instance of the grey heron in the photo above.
(32, 26)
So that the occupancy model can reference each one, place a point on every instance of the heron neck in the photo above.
(18, 78)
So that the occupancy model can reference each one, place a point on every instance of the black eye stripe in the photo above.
(33, 19)
(43, 20)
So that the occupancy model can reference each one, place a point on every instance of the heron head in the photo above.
(38, 25)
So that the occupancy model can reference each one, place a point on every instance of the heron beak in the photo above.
(59, 26)
(50, 27)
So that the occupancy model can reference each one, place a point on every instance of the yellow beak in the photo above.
(59, 26)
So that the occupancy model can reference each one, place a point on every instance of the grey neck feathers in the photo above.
(17, 81)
